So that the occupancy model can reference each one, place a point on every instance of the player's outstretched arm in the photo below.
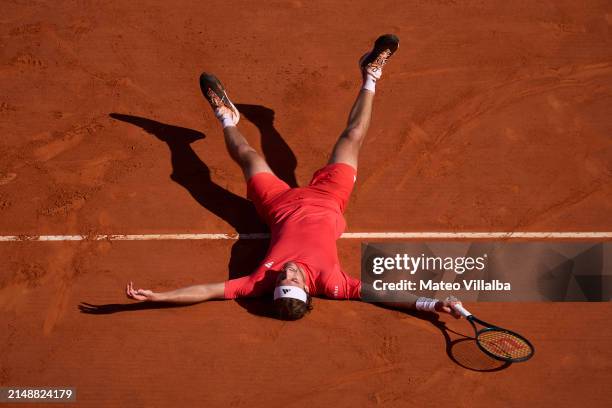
(186, 295)
(441, 306)
(413, 302)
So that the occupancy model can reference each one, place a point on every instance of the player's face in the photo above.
(291, 275)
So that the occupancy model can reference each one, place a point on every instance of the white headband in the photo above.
(290, 292)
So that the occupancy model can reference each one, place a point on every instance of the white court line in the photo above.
(349, 235)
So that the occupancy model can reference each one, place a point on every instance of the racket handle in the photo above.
(462, 310)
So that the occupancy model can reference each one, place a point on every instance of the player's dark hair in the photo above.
(292, 309)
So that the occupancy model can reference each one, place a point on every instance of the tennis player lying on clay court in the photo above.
(302, 260)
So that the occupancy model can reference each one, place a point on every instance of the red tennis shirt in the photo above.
(305, 223)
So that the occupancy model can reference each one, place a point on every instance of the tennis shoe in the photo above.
(215, 94)
(372, 62)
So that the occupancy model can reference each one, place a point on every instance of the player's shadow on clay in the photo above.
(194, 175)
(463, 350)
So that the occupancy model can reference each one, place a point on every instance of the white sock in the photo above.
(369, 83)
(225, 117)
(226, 121)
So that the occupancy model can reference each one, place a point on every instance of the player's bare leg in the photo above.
(249, 160)
(238, 147)
(347, 147)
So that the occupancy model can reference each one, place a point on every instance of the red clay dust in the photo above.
(492, 116)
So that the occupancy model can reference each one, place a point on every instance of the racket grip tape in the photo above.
(462, 310)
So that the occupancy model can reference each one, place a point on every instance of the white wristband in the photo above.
(227, 121)
(426, 304)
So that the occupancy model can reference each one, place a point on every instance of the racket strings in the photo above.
(504, 344)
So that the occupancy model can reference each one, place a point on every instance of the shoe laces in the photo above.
(381, 59)
(214, 98)
(221, 108)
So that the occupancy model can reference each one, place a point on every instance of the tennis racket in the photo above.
(496, 342)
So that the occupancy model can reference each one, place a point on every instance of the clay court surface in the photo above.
(493, 116)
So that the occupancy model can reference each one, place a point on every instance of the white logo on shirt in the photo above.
(336, 290)
(269, 264)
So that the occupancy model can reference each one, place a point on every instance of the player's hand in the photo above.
(139, 294)
(446, 306)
